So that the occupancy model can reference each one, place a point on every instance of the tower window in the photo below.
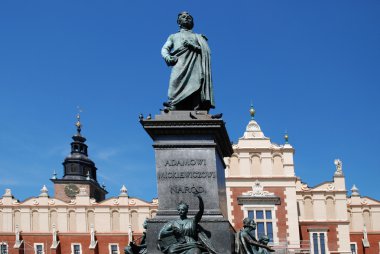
(76, 248)
(114, 248)
(3, 248)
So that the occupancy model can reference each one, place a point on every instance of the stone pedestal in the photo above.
(189, 149)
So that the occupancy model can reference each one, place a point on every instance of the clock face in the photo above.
(71, 190)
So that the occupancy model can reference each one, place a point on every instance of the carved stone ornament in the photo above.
(35, 202)
(305, 187)
(115, 201)
(51, 202)
(8, 193)
(330, 187)
(364, 201)
(1, 201)
(258, 191)
(253, 126)
(72, 202)
(132, 202)
(93, 201)
(338, 165)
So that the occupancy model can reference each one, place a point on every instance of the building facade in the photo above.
(261, 183)
(78, 219)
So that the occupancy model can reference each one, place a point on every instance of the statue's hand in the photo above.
(177, 231)
(188, 45)
(191, 46)
(171, 60)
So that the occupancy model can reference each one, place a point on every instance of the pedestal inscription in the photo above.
(189, 149)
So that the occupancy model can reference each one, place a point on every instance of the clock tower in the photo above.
(79, 172)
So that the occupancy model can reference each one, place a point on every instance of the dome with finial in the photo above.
(44, 191)
(354, 191)
(123, 191)
(253, 129)
(286, 137)
(252, 112)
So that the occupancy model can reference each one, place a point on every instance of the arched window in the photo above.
(53, 219)
(115, 221)
(72, 221)
(349, 212)
(90, 220)
(367, 219)
(330, 208)
(134, 221)
(17, 220)
(234, 166)
(308, 208)
(255, 165)
(35, 221)
(278, 168)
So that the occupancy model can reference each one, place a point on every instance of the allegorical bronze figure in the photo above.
(185, 235)
(134, 248)
(190, 86)
(246, 242)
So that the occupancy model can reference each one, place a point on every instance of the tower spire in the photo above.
(78, 124)
(252, 112)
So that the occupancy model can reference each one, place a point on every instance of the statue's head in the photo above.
(182, 208)
(185, 20)
(247, 222)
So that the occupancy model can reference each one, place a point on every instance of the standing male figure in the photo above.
(190, 86)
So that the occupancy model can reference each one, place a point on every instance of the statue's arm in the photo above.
(166, 230)
(192, 46)
(199, 215)
(165, 52)
(250, 241)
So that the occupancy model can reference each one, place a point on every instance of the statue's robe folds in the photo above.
(191, 238)
(245, 243)
(191, 75)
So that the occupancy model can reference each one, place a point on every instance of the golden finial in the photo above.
(78, 123)
(252, 112)
(286, 137)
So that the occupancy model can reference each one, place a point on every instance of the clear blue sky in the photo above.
(310, 67)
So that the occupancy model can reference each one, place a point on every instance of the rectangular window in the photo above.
(353, 248)
(114, 249)
(38, 248)
(264, 222)
(318, 242)
(3, 248)
(76, 248)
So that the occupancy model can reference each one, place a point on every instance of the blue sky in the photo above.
(310, 67)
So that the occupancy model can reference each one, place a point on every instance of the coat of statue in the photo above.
(246, 242)
(190, 86)
(185, 235)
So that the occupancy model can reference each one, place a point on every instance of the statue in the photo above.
(133, 248)
(185, 235)
(246, 242)
(190, 86)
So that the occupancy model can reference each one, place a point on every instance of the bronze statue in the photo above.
(246, 242)
(190, 86)
(185, 235)
(133, 248)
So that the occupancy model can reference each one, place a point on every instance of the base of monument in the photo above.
(221, 233)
